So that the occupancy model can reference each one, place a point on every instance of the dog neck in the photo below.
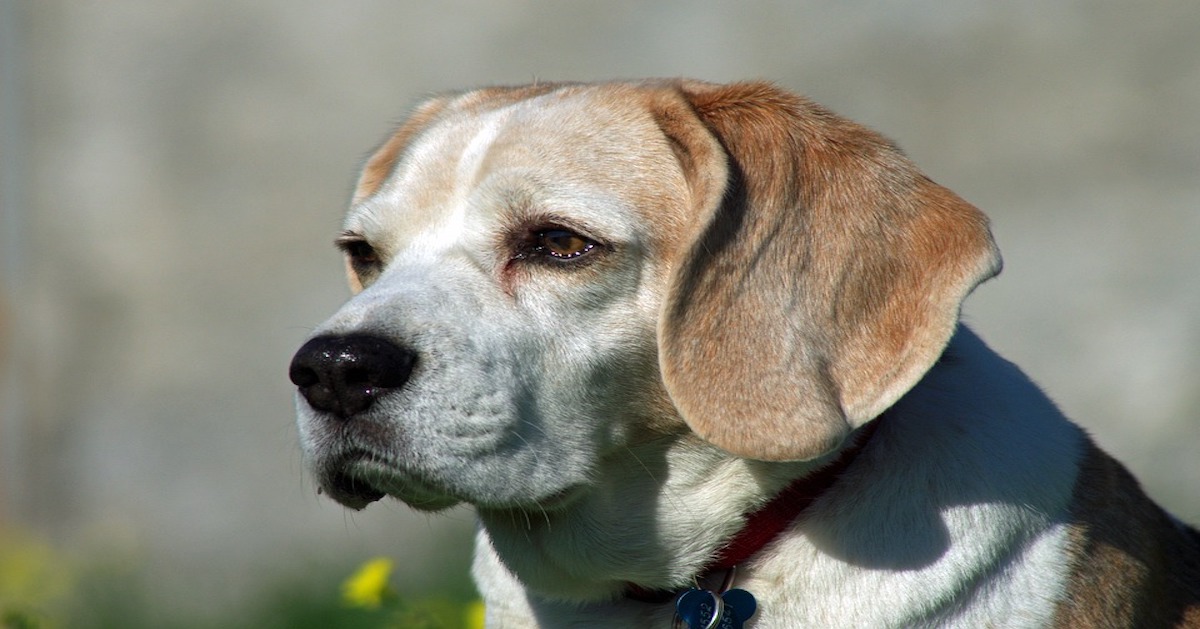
(765, 524)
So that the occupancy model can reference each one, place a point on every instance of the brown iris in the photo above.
(562, 244)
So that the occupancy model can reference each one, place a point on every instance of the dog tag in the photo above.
(703, 609)
(739, 607)
(699, 609)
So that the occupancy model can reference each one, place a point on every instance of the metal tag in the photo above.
(704, 609)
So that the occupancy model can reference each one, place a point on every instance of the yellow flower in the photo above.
(368, 586)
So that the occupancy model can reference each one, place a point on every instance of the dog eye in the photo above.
(361, 254)
(561, 244)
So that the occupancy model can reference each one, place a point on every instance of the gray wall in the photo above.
(175, 173)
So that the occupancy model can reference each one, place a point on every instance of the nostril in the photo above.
(345, 374)
(302, 375)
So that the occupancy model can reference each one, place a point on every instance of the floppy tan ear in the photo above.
(823, 278)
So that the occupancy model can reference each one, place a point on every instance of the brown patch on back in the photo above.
(1133, 565)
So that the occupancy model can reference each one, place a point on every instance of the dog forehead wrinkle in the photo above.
(618, 180)
(586, 134)
(587, 159)
(432, 180)
(569, 135)
(471, 161)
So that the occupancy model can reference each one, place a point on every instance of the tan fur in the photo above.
(787, 376)
(1133, 565)
(383, 159)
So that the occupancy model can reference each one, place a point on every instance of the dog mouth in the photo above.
(360, 478)
(350, 491)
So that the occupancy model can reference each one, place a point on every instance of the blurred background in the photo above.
(172, 176)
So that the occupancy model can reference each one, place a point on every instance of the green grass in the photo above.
(42, 588)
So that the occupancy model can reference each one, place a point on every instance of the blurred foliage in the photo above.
(44, 588)
(34, 581)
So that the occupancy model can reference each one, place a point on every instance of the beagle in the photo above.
(693, 353)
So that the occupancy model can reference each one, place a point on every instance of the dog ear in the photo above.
(821, 279)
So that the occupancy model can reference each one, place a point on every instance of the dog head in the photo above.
(547, 274)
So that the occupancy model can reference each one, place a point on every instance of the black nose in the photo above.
(344, 374)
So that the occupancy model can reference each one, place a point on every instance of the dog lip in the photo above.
(360, 477)
(350, 491)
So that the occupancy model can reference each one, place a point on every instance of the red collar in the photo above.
(764, 525)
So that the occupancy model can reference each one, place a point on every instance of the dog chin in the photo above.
(425, 502)
(557, 501)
